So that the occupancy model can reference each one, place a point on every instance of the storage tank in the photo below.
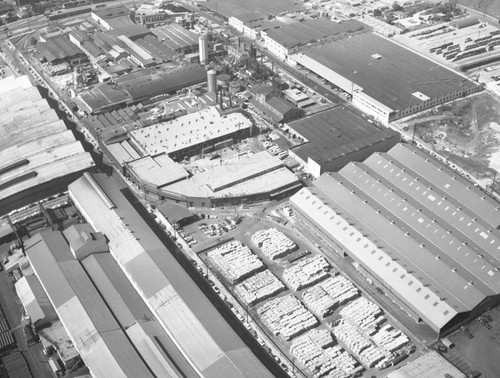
(212, 81)
(223, 80)
(203, 47)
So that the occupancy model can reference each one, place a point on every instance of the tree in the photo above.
(377, 12)
(396, 7)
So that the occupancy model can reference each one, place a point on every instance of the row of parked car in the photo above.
(217, 229)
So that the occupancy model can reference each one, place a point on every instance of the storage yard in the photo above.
(457, 44)
(310, 310)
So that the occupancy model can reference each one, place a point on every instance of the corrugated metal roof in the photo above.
(406, 227)
(394, 77)
(446, 180)
(301, 33)
(186, 314)
(133, 314)
(96, 334)
(375, 243)
(335, 133)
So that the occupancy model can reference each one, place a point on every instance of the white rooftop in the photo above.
(188, 130)
(159, 171)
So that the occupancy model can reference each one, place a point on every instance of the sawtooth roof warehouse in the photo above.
(425, 234)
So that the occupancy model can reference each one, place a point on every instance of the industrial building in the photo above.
(144, 85)
(113, 17)
(102, 98)
(59, 49)
(288, 39)
(384, 79)
(35, 301)
(426, 235)
(97, 336)
(191, 134)
(157, 171)
(246, 16)
(259, 177)
(429, 365)
(335, 137)
(196, 328)
(176, 37)
(268, 102)
(37, 152)
(139, 86)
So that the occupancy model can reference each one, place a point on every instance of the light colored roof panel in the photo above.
(411, 289)
(429, 365)
(421, 226)
(189, 130)
(178, 304)
(467, 225)
(448, 181)
(95, 333)
(159, 171)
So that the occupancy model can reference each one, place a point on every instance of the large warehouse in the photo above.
(336, 137)
(288, 39)
(191, 134)
(196, 327)
(427, 235)
(37, 152)
(385, 80)
(102, 344)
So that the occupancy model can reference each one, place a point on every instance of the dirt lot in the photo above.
(466, 132)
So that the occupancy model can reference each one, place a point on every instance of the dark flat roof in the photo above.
(143, 85)
(394, 77)
(251, 10)
(300, 33)
(336, 132)
(111, 12)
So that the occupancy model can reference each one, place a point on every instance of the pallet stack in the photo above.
(234, 261)
(286, 316)
(306, 272)
(316, 350)
(361, 331)
(274, 243)
(325, 297)
(259, 287)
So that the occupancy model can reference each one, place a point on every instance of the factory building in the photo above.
(288, 39)
(96, 334)
(335, 137)
(426, 235)
(176, 37)
(268, 102)
(59, 49)
(143, 85)
(196, 329)
(38, 154)
(384, 79)
(113, 17)
(191, 134)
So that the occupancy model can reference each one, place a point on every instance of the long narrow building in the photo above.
(198, 330)
(426, 235)
(97, 336)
